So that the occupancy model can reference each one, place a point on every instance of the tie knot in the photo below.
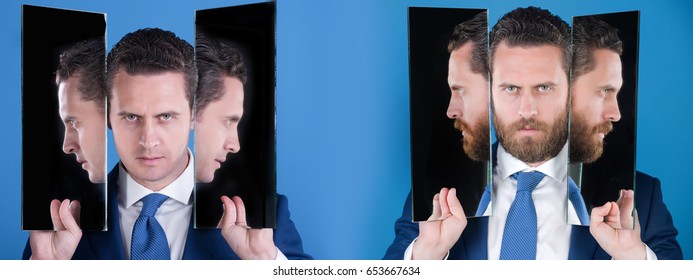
(527, 181)
(151, 203)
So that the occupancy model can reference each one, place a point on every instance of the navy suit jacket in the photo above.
(656, 230)
(201, 244)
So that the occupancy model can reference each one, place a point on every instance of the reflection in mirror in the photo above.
(603, 110)
(63, 116)
(235, 113)
(449, 109)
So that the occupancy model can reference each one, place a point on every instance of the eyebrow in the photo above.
(502, 85)
(456, 87)
(174, 113)
(547, 83)
(124, 113)
(234, 118)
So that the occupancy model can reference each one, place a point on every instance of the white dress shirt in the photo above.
(174, 215)
(554, 226)
(550, 200)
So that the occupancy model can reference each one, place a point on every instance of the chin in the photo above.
(203, 177)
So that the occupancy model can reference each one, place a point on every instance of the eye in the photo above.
(544, 88)
(131, 117)
(510, 89)
(73, 123)
(606, 91)
(459, 91)
(166, 117)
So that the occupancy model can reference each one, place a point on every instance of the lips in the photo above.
(603, 129)
(149, 160)
(220, 162)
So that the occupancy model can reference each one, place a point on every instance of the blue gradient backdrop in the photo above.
(342, 108)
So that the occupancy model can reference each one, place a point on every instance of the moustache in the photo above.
(461, 126)
(604, 127)
(529, 124)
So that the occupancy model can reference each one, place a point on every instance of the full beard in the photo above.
(584, 146)
(528, 149)
(475, 140)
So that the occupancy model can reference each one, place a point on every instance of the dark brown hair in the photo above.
(474, 30)
(85, 60)
(590, 34)
(532, 27)
(215, 60)
(153, 51)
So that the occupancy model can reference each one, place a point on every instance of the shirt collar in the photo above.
(179, 190)
(556, 167)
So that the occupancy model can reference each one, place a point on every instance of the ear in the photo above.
(192, 119)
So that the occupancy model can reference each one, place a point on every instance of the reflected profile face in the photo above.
(595, 106)
(469, 103)
(151, 121)
(216, 130)
(530, 93)
(85, 129)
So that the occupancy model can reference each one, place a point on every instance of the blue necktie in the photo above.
(148, 238)
(520, 234)
(578, 203)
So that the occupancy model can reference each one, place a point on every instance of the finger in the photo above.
(435, 214)
(598, 214)
(454, 204)
(613, 218)
(636, 223)
(444, 207)
(76, 210)
(240, 211)
(626, 207)
(67, 218)
(598, 228)
(229, 216)
(55, 217)
(620, 196)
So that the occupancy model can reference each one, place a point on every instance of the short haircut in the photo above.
(474, 30)
(85, 60)
(590, 34)
(152, 51)
(215, 61)
(532, 27)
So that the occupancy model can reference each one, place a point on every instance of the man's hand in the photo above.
(62, 241)
(247, 243)
(440, 232)
(616, 231)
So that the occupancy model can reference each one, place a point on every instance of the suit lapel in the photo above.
(582, 244)
(475, 238)
(108, 245)
(201, 244)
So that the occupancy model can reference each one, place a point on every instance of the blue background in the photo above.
(343, 109)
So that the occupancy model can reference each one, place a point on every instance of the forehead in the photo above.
(459, 64)
(527, 63)
(231, 100)
(149, 91)
(233, 90)
(70, 97)
(607, 60)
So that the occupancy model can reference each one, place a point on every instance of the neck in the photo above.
(159, 185)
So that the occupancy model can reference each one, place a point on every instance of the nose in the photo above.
(455, 106)
(611, 111)
(528, 106)
(149, 138)
(70, 144)
(231, 143)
